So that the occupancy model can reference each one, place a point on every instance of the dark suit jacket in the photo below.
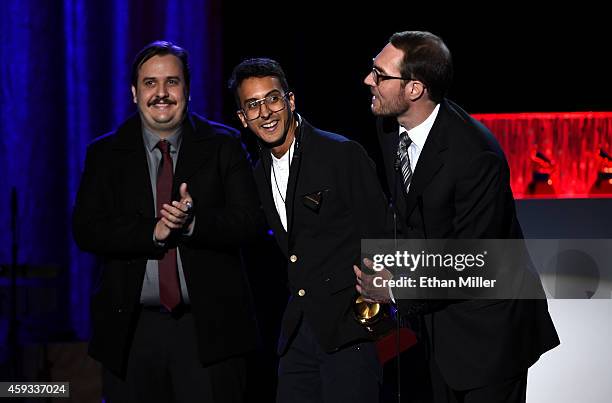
(114, 218)
(461, 189)
(328, 212)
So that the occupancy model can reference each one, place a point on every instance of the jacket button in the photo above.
(293, 258)
(301, 292)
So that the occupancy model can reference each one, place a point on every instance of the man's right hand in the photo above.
(365, 284)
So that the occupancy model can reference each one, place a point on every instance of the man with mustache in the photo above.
(166, 200)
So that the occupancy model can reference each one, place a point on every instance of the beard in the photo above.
(392, 104)
(389, 107)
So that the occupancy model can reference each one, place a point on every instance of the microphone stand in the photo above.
(396, 168)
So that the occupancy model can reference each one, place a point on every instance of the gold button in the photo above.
(301, 293)
(293, 258)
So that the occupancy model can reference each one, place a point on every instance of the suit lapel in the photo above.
(262, 175)
(292, 184)
(193, 152)
(130, 145)
(294, 174)
(429, 163)
(431, 159)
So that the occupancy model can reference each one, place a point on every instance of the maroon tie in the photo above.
(169, 292)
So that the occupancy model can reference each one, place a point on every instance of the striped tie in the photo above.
(402, 154)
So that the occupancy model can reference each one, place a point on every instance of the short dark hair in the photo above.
(427, 59)
(256, 67)
(161, 48)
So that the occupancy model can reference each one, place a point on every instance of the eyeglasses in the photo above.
(274, 103)
(382, 77)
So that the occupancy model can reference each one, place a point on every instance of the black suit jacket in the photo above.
(114, 218)
(461, 189)
(333, 200)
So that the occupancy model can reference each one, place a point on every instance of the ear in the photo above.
(292, 101)
(414, 90)
(134, 95)
(242, 119)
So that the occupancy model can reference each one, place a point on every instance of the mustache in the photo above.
(161, 100)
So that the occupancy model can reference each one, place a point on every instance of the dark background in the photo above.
(508, 59)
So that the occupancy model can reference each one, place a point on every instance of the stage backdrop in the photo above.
(63, 64)
(556, 155)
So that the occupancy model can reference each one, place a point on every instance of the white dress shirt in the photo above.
(279, 177)
(418, 135)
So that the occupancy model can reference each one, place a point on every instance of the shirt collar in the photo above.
(283, 159)
(419, 133)
(151, 139)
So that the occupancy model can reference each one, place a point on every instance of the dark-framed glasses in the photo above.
(274, 102)
(378, 77)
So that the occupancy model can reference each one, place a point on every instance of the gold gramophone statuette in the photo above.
(367, 313)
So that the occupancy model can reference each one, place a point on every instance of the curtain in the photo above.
(556, 154)
(65, 79)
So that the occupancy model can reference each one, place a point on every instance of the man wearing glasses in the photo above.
(449, 179)
(311, 186)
